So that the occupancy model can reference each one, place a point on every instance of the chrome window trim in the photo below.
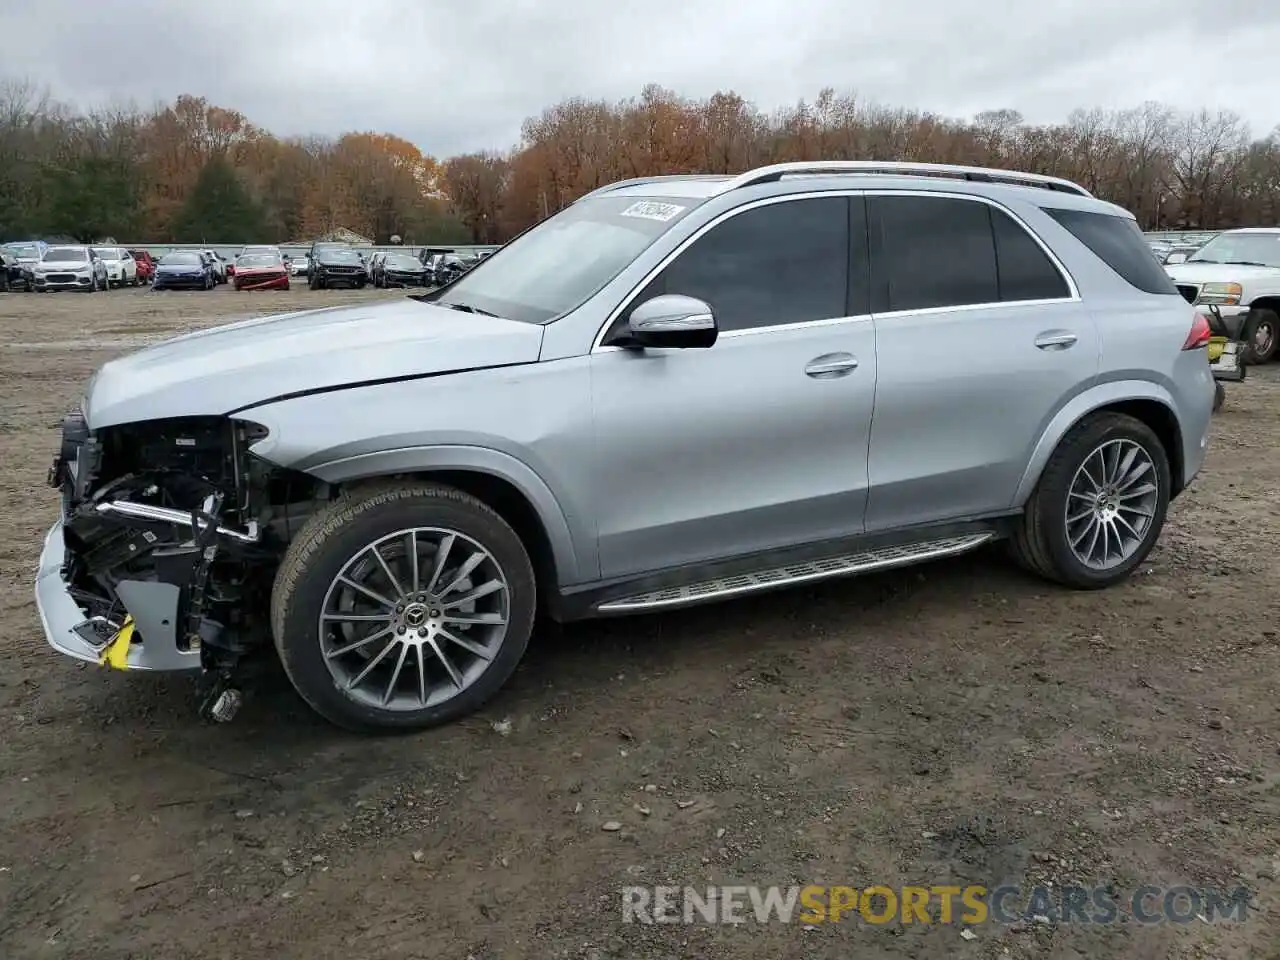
(1073, 289)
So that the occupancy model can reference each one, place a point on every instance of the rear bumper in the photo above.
(153, 606)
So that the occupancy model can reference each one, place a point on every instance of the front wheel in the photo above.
(402, 607)
(1261, 335)
(1099, 506)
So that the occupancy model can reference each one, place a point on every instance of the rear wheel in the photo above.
(402, 607)
(1099, 506)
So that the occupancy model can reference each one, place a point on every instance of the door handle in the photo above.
(1056, 340)
(831, 365)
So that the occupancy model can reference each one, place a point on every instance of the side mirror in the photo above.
(1175, 258)
(673, 320)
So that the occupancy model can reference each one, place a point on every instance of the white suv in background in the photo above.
(1237, 276)
(122, 269)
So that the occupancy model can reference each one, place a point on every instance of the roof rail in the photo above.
(775, 172)
(639, 181)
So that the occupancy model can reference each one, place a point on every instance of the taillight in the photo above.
(1200, 333)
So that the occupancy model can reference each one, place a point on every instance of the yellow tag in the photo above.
(116, 653)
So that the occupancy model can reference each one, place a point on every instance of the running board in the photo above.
(881, 558)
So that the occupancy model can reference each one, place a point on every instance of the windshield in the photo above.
(342, 255)
(66, 255)
(181, 259)
(403, 261)
(557, 265)
(1262, 249)
(110, 253)
(25, 251)
(258, 260)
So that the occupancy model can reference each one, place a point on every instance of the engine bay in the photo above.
(173, 532)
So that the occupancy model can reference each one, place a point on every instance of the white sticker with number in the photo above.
(653, 210)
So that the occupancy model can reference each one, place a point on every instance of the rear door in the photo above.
(981, 337)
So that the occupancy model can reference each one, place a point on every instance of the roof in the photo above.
(843, 174)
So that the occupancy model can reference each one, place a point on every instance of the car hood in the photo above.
(243, 364)
(179, 267)
(1219, 272)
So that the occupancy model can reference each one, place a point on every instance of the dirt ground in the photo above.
(956, 723)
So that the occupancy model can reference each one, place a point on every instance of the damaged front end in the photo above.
(167, 543)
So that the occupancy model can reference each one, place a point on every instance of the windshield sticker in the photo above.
(652, 210)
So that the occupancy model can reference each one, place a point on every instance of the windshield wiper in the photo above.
(1246, 263)
(466, 308)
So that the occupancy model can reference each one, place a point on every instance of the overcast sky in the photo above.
(460, 75)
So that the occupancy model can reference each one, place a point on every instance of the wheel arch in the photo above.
(507, 485)
(1144, 401)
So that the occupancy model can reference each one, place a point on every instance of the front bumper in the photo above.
(153, 606)
(251, 281)
(77, 283)
(405, 279)
(196, 282)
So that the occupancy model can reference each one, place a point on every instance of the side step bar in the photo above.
(881, 558)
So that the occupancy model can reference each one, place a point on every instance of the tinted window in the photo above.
(1025, 271)
(780, 263)
(1118, 243)
(935, 252)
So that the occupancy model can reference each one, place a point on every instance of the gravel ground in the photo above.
(956, 723)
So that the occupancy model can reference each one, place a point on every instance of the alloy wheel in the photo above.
(414, 618)
(1111, 504)
(1263, 339)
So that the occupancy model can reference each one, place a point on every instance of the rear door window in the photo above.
(932, 253)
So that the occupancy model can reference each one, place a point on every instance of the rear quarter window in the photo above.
(1118, 243)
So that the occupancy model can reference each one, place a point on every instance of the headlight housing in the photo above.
(1222, 294)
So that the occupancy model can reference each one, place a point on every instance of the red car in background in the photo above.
(260, 271)
(146, 265)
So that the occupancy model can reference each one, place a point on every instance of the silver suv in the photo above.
(676, 390)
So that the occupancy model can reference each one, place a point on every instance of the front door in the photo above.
(759, 441)
(980, 338)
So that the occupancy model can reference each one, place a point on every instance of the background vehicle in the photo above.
(300, 266)
(145, 263)
(217, 265)
(21, 258)
(1234, 281)
(183, 270)
(673, 391)
(261, 271)
(122, 271)
(336, 267)
(70, 268)
(449, 267)
(371, 265)
(399, 270)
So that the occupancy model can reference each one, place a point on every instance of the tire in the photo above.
(1264, 323)
(1219, 396)
(1041, 539)
(337, 537)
